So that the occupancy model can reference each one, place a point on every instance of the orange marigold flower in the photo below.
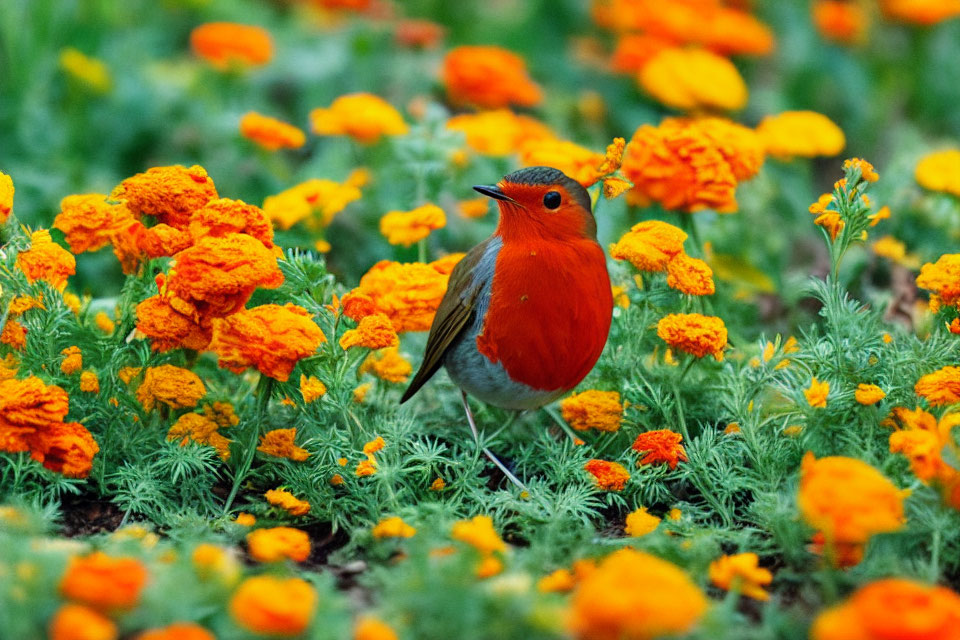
(682, 168)
(693, 79)
(245, 519)
(169, 329)
(578, 162)
(593, 409)
(841, 20)
(171, 194)
(65, 447)
(46, 260)
(940, 171)
(23, 303)
(372, 332)
(280, 443)
(408, 294)
(869, 394)
(806, 134)
(104, 322)
(560, 581)
(891, 608)
(104, 582)
(269, 337)
(741, 573)
(635, 50)
(270, 133)
(409, 227)
(272, 605)
(423, 34)
(177, 631)
(224, 44)
(278, 543)
(689, 275)
(372, 629)
(816, 394)
(288, 502)
(489, 566)
(72, 361)
(200, 429)
(740, 146)
(298, 203)
(940, 387)
(921, 12)
(848, 500)
(867, 172)
(77, 622)
(362, 116)
(387, 364)
(649, 245)
(474, 207)
(639, 523)
(608, 476)
(6, 197)
(173, 386)
(438, 484)
(89, 382)
(357, 306)
(943, 278)
(694, 333)
(489, 78)
(479, 533)
(14, 334)
(500, 132)
(88, 221)
(311, 388)
(634, 595)
(661, 445)
(922, 440)
(393, 527)
(359, 395)
(223, 216)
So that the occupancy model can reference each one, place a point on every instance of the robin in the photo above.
(527, 311)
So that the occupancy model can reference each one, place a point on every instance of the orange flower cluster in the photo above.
(311, 388)
(374, 331)
(841, 20)
(816, 394)
(409, 227)
(892, 608)
(607, 475)
(170, 194)
(940, 387)
(661, 445)
(46, 260)
(921, 12)
(693, 79)
(694, 333)
(89, 222)
(103, 582)
(500, 132)
(923, 440)
(269, 337)
(806, 134)
(270, 133)
(393, 527)
(280, 443)
(387, 364)
(489, 78)
(325, 198)
(741, 573)
(272, 605)
(225, 44)
(363, 116)
(288, 502)
(71, 619)
(633, 595)
(173, 386)
(649, 245)
(940, 171)
(177, 631)
(278, 543)
(848, 501)
(478, 532)
(72, 361)
(639, 523)
(32, 417)
(867, 394)
(593, 409)
(372, 629)
(367, 467)
(201, 430)
(943, 278)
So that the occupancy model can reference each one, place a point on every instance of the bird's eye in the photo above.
(551, 200)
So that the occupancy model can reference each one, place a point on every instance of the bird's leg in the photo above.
(476, 437)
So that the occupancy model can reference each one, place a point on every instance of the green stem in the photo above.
(935, 557)
(264, 389)
(422, 250)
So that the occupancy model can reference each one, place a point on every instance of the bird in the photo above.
(527, 312)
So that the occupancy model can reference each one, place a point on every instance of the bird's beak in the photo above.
(495, 192)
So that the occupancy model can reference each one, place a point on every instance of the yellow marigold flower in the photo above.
(387, 364)
(359, 395)
(560, 581)
(280, 443)
(740, 146)
(104, 582)
(311, 388)
(500, 132)
(867, 172)
(126, 374)
(689, 275)
(806, 134)
(479, 533)
(869, 394)
(694, 333)
(409, 227)
(489, 566)
(693, 79)
(474, 207)
(393, 527)
(287, 501)
(170, 194)
(89, 382)
(675, 514)
(88, 221)
(270, 133)
(202, 430)
(269, 337)
(816, 394)
(848, 500)
(488, 77)
(841, 21)
(276, 606)
(943, 278)
(940, 171)
(362, 116)
(173, 386)
(639, 523)
(578, 162)
(298, 203)
(87, 70)
(741, 573)
(607, 475)
(8, 367)
(336, 479)
(636, 596)
(226, 44)
(72, 361)
(372, 629)
(439, 484)
(890, 248)
(681, 167)
(649, 245)
(104, 322)
(593, 409)
(921, 12)
(940, 387)
(6, 197)
(77, 622)
(373, 332)
(278, 543)
(245, 519)
(46, 260)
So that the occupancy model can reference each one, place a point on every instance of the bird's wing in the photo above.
(454, 314)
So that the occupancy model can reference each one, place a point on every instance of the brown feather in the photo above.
(454, 314)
